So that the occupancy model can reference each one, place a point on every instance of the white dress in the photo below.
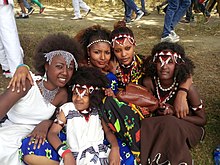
(22, 119)
(85, 138)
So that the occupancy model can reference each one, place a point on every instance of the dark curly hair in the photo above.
(182, 71)
(54, 42)
(90, 76)
(95, 32)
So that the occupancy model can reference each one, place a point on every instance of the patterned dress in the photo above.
(124, 120)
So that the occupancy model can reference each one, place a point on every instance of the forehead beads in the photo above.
(121, 39)
(68, 57)
(82, 89)
(99, 40)
(165, 56)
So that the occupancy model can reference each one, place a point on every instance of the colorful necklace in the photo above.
(48, 95)
(133, 72)
(172, 88)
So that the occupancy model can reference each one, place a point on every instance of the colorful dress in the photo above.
(22, 119)
(124, 120)
(113, 82)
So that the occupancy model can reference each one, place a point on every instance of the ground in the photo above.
(201, 42)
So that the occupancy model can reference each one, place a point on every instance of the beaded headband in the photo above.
(81, 89)
(99, 40)
(166, 56)
(123, 39)
(68, 57)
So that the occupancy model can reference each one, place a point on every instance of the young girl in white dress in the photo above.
(85, 129)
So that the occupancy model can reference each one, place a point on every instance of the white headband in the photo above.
(68, 57)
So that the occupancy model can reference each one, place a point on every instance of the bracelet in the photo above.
(65, 152)
(183, 89)
(23, 65)
(63, 149)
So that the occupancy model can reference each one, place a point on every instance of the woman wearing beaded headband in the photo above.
(29, 112)
(97, 47)
(85, 129)
(130, 65)
(165, 139)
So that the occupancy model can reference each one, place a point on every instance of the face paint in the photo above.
(121, 39)
(165, 56)
(82, 90)
(164, 60)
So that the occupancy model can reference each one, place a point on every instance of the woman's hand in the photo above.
(114, 156)
(39, 134)
(165, 109)
(109, 92)
(18, 80)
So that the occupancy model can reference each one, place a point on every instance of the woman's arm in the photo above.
(180, 103)
(114, 156)
(199, 117)
(18, 80)
(9, 99)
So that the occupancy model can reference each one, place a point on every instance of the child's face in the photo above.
(100, 54)
(57, 72)
(81, 98)
(165, 67)
(125, 52)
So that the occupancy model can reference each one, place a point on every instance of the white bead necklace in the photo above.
(166, 89)
(171, 93)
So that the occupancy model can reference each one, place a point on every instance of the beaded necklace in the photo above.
(167, 97)
(130, 74)
(48, 95)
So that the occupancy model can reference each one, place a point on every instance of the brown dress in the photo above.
(167, 139)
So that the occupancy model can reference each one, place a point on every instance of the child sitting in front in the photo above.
(84, 128)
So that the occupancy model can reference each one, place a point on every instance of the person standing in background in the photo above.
(76, 6)
(175, 11)
(11, 53)
(130, 5)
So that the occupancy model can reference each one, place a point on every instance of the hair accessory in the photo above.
(99, 40)
(166, 60)
(123, 39)
(82, 89)
(48, 95)
(66, 55)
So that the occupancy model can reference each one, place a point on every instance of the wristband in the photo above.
(65, 152)
(63, 149)
(183, 89)
(23, 65)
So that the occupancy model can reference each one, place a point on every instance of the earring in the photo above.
(44, 77)
(88, 61)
